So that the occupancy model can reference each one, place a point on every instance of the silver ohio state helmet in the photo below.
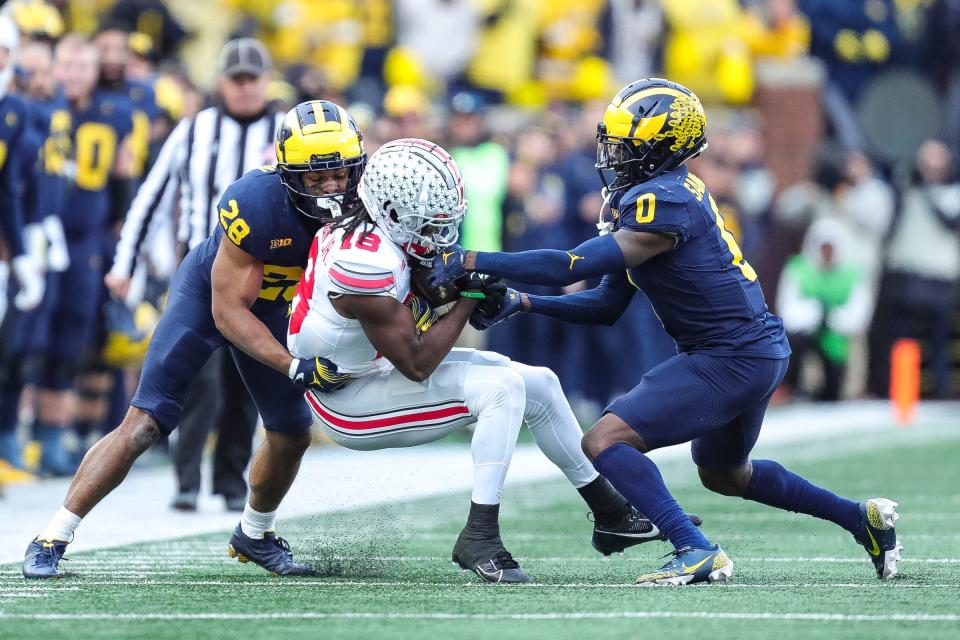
(413, 191)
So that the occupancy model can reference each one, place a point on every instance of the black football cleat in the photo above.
(42, 559)
(487, 557)
(633, 529)
(271, 552)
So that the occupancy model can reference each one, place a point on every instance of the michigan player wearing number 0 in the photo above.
(354, 306)
(661, 232)
(234, 290)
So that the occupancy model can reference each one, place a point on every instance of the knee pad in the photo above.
(486, 388)
(541, 383)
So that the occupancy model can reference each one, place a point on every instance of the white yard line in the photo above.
(580, 615)
(473, 583)
(107, 566)
(334, 479)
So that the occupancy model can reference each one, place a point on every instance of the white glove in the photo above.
(30, 277)
(35, 243)
(58, 257)
(4, 279)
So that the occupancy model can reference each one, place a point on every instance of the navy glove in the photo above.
(484, 317)
(448, 265)
(318, 374)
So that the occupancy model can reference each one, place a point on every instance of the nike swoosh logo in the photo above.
(687, 569)
(876, 548)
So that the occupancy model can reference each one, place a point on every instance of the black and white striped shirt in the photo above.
(199, 159)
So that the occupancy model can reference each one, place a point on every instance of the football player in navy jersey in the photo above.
(661, 232)
(113, 44)
(101, 124)
(234, 289)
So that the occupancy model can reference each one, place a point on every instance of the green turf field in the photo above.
(388, 571)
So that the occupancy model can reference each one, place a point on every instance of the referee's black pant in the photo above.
(217, 399)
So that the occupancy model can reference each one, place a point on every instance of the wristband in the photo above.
(292, 371)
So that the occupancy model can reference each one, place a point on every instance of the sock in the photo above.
(52, 450)
(637, 478)
(9, 407)
(484, 518)
(608, 506)
(773, 485)
(254, 523)
(62, 526)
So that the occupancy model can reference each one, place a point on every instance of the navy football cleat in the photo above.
(42, 559)
(690, 566)
(487, 558)
(271, 552)
(878, 536)
(634, 528)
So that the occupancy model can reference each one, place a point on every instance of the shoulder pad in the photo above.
(361, 278)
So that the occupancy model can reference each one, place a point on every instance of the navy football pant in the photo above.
(75, 306)
(183, 341)
(715, 402)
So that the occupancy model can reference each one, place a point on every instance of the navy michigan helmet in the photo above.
(316, 136)
(650, 127)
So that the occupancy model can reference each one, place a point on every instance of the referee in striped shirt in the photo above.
(199, 159)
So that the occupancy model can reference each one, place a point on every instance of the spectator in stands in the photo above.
(854, 39)
(919, 295)
(442, 44)
(484, 164)
(634, 38)
(823, 300)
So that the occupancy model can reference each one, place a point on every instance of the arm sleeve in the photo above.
(149, 205)
(603, 304)
(595, 257)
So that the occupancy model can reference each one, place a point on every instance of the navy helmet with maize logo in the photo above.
(650, 127)
(318, 136)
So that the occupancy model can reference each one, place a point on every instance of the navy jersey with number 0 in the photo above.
(98, 132)
(704, 291)
(257, 216)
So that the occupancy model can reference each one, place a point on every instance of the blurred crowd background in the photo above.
(833, 128)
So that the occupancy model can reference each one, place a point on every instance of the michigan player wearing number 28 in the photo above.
(235, 289)
(660, 231)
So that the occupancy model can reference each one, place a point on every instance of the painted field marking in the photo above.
(336, 584)
(583, 615)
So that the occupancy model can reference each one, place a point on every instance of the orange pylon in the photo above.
(905, 379)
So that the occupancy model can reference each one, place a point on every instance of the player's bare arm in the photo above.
(390, 327)
(236, 279)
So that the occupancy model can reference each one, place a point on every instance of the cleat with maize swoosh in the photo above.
(690, 566)
(42, 559)
(270, 552)
(878, 536)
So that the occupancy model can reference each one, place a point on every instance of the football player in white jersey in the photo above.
(353, 306)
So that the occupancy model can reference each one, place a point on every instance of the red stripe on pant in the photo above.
(377, 423)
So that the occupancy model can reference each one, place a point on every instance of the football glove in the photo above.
(448, 265)
(424, 315)
(484, 317)
(58, 257)
(31, 280)
(488, 289)
(317, 373)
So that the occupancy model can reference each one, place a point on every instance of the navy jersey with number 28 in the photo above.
(704, 291)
